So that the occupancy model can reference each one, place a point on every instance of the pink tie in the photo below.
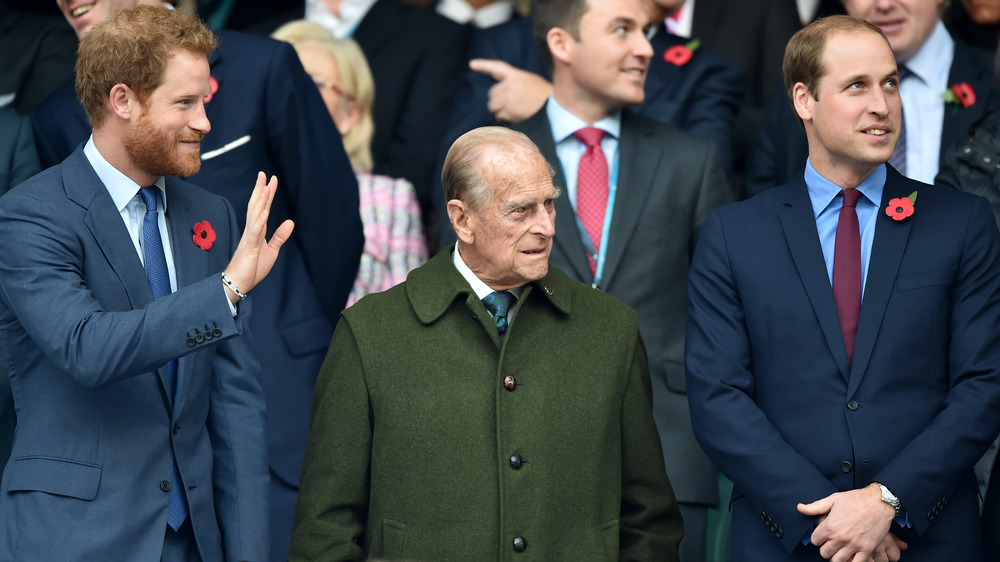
(592, 188)
(847, 270)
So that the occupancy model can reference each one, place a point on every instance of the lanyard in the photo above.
(608, 213)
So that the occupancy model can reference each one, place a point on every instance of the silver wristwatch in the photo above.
(890, 498)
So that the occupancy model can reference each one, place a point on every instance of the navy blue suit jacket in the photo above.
(779, 151)
(88, 348)
(774, 403)
(267, 115)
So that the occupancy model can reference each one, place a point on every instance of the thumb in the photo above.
(818, 507)
(498, 69)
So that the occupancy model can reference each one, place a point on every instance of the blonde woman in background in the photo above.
(394, 240)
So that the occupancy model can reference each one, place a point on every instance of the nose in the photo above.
(642, 47)
(884, 5)
(545, 223)
(200, 122)
(879, 102)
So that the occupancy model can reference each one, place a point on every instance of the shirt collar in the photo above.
(481, 289)
(489, 15)
(932, 62)
(351, 14)
(565, 123)
(822, 192)
(121, 188)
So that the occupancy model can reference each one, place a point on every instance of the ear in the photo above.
(124, 102)
(351, 117)
(462, 220)
(802, 101)
(560, 44)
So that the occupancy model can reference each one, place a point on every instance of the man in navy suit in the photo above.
(933, 61)
(664, 181)
(140, 411)
(267, 114)
(842, 348)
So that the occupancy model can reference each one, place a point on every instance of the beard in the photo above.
(158, 152)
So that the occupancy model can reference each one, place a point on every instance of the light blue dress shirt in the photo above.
(826, 209)
(923, 106)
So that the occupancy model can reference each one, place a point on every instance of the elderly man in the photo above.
(489, 405)
(842, 349)
(140, 431)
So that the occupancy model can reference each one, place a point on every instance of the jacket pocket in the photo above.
(394, 538)
(610, 537)
(925, 279)
(55, 476)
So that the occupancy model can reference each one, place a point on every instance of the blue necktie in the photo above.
(499, 304)
(159, 282)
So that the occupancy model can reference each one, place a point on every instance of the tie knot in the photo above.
(904, 72)
(851, 197)
(148, 195)
(498, 303)
(590, 136)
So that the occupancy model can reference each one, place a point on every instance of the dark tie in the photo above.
(898, 158)
(847, 270)
(592, 188)
(499, 304)
(159, 282)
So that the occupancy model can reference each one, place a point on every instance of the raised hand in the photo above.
(517, 95)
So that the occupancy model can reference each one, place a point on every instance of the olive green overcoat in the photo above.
(431, 441)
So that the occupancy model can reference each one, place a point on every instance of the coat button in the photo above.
(217, 333)
(208, 335)
(190, 342)
(509, 383)
(846, 466)
(853, 406)
(199, 337)
(165, 485)
(176, 428)
(515, 461)
(779, 533)
(520, 544)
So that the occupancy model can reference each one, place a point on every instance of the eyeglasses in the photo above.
(323, 84)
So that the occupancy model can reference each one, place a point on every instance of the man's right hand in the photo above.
(890, 550)
(255, 255)
(517, 95)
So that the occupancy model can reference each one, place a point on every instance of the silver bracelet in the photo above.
(229, 283)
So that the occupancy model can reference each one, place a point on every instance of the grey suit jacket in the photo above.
(668, 182)
(88, 348)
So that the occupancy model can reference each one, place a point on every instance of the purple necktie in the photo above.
(847, 270)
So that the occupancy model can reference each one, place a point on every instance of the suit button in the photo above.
(176, 428)
(774, 528)
(853, 406)
(208, 335)
(199, 337)
(509, 383)
(846, 466)
(763, 516)
(217, 333)
(779, 533)
(165, 485)
(515, 461)
(520, 544)
(190, 342)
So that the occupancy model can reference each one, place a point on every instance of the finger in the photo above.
(494, 101)
(497, 69)
(818, 507)
(281, 235)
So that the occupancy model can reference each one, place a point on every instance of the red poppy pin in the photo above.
(960, 94)
(204, 236)
(679, 55)
(215, 88)
(901, 207)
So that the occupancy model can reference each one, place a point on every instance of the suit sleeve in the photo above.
(332, 509)
(731, 428)
(651, 525)
(44, 285)
(316, 180)
(236, 428)
(931, 465)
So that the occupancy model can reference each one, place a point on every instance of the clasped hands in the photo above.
(853, 526)
(255, 255)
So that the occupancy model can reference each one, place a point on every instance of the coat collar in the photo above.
(433, 287)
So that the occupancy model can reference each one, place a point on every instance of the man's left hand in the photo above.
(852, 524)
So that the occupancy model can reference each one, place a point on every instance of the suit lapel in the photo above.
(799, 225)
(887, 254)
(638, 164)
(567, 240)
(958, 121)
(190, 265)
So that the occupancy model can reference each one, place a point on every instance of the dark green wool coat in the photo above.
(413, 430)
